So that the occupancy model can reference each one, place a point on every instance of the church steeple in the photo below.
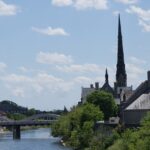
(121, 77)
(106, 76)
(106, 87)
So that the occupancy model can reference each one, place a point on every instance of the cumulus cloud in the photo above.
(136, 60)
(62, 2)
(51, 31)
(141, 13)
(53, 58)
(127, 1)
(7, 9)
(86, 80)
(145, 25)
(82, 4)
(23, 69)
(85, 68)
(65, 84)
(134, 69)
(20, 85)
(14, 78)
(3, 66)
(83, 80)
(18, 92)
(143, 16)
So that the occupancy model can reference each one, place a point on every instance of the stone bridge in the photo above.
(35, 120)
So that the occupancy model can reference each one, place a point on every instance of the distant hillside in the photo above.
(11, 107)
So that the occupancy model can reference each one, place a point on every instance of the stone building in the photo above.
(137, 105)
(106, 87)
(134, 104)
(121, 77)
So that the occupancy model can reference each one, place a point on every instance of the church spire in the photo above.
(119, 28)
(121, 77)
(106, 87)
(106, 76)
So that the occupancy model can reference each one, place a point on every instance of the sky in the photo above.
(50, 49)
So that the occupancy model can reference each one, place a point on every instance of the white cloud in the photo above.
(51, 31)
(85, 68)
(146, 26)
(143, 16)
(97, 4)
(3, 66)
(82, 4)
(36, 87)
(141, 13)
(116, 13)
(127, 1)
(135, 60)
(19, 85)
(18, 92)
(62, 2)
(53, 83)
(23, 69)
(14, 78)
(134, 69)
(7, 9)
(54, 58)
(83, 80)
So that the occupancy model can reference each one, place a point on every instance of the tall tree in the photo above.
(77, 126)
(105, 101)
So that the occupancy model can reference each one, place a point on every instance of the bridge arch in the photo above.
(42, 117)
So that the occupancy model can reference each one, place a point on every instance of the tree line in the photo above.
(78, 127)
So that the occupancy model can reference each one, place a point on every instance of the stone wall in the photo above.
(133, 117)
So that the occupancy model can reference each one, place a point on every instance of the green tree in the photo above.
(16, 116)
(77, 127)
(31, 112)
(105, 101)
(136, 139)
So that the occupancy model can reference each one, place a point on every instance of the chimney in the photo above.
(148, 77)
(91, 86)
(96, 85)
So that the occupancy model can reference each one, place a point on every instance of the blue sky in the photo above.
(50, 49)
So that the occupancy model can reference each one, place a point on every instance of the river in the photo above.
(37, 139)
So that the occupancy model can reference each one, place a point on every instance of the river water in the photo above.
(37, 139)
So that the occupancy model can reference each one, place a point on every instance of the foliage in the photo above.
(16, 116)
(135, 139)
(77, 127)
(105, 101)
(31, 112)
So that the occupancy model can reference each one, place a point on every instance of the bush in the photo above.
(77, 127)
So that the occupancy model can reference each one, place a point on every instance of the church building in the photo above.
(121, 76)
(133, 103)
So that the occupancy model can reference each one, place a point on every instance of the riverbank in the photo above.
(4, 130)
(1, 130)
(33, 127)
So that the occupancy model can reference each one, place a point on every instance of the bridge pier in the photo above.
(16, 132)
